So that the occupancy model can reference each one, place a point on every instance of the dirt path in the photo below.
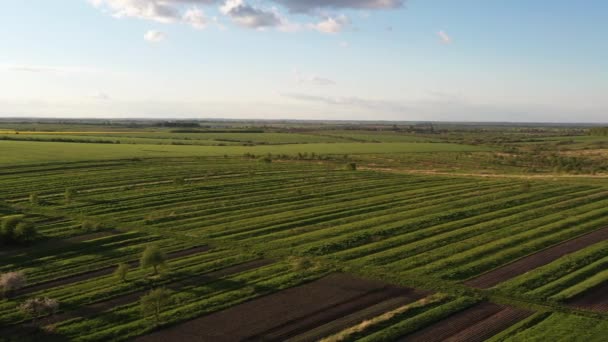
(535, 260)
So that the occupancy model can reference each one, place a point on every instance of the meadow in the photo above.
(301, 239)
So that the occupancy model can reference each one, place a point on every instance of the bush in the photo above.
(91, 225)
(25, 232)
(153, 303)
(121, 271)
(35, 307)
(11, 281)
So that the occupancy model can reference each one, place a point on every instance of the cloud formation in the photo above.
(154, 36)
(307, 6)
(249, 16)
(313, 79)
(260, 14)
(332, 24)
(444, 37)
(162, 11)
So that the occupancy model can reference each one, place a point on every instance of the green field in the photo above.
(238, 223)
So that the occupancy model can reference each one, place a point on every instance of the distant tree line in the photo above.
(603, 131)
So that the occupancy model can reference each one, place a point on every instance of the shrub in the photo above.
(121, 271)
(35, 307)
(153, 303)
(25, 232)
(11, 281)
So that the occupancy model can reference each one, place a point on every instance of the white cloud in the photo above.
(163, 11)
(332, 24)
(315, 5)
(196, 18)
(249, 16)
(312, 79)
(444, 37)
(154, 36)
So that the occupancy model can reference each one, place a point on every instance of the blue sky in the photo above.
(483, 60)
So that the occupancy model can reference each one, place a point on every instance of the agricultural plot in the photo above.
(301, 249)
(477, 323)
(288, 314)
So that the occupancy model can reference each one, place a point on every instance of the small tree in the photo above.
(153, 257)
(89, 225)
(69, 195)
(7, 230)
(25, 232)
(179, 181)
(351, 166)
(35, 307)
(11, 281)
(121, 271)
(34, 200)
(153, 303)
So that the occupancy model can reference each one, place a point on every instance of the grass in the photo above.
(20, 152)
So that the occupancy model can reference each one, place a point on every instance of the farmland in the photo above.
(305, 233)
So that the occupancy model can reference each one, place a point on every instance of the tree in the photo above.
(153, 257)
(7, 229)
(121, 271)
(35, 307)
(11, 281)
(34, 200)
(25, 232)
(153, 303)
(179, 181)
(351, 166)
(69, 195)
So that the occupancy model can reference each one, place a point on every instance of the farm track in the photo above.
(595, 299)
(476, 323)
(285, 313)
(103, 271)
(538, 259)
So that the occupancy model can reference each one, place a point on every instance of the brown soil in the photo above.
(355, 318)
(477, 323)
(595, 299)
(533, 261)
(103, 271)
(284, 314)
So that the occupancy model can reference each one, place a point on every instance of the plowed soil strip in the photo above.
(96, 308)
(104, 271)
(285, 313)
(595, 299)
(490, 326)
(533, 261)
(353, 319)
(452, 325)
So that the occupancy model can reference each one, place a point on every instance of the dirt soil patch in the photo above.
(533, 261)
(477, 323)
(287, 313)
(595, 299)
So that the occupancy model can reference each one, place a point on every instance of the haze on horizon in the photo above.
(405, 60)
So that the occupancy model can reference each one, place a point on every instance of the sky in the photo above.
(406, 60)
